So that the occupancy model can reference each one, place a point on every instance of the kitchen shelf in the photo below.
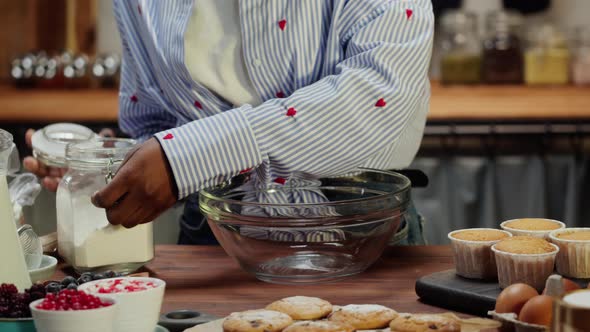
(448, 104)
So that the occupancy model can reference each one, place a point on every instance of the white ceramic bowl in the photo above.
(92, 320)
(45, 271)
(138, 311)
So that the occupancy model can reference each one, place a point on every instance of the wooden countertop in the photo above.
(204, 278)
(456, 103)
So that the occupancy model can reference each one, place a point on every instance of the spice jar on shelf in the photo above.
(581, 56)
(547, 57)
(86, 239)
(502, 61)
(461, 48)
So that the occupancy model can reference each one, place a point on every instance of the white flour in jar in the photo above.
(93, 242)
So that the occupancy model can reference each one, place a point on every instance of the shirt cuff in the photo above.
(206, 152)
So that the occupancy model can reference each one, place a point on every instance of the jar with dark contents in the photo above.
(105, 71)
(502, 61)
(461, 48)
(22, 71)
(581, 56)
(48, 73)
(76, 70)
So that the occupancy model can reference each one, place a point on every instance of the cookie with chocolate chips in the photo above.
(424, 323)
(302, 307)
(319, 326)
(256, 321)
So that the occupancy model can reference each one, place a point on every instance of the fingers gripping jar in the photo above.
(86, 240)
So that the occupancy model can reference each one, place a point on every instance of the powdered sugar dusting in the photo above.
(365, 308)
(265, 315)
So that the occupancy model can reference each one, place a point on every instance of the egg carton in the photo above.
(510, 323)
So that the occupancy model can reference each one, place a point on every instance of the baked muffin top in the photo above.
(525, 245)
(482, 235)
(574, 235)
(533, 224)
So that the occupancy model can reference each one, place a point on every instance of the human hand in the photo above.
(50, 176)
(142, 189)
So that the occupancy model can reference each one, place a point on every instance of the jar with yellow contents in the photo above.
(547, 58)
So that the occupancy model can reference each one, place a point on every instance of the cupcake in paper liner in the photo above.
(536, 227)
(573, 259)
(472, 251)
(525, 259)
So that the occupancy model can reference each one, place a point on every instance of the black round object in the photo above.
(110, 274)
(84, 279)
(527, 6)
(98, 276)
(73, 286)
(68, 280)
(53, 287)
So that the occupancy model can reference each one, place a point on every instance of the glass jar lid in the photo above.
(458, 21)
(503, 21)
(49, 143)
(546, 36)
(99, 152)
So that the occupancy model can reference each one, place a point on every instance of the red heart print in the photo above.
(168, 136)
(198, 105)
(380, 103)
(291, 112)
(134, 98)
(282, 24)
(245, 170)
(280, 94)
(280, 180)
(409, 13)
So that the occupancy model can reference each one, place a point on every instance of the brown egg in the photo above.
(513, 298)
(538, 310)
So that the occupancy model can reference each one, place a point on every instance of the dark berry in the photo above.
(73, 286)
(37, 295)
(97, 276)
(68, 280)
(53, 287)
(84, 279)
(110, 274)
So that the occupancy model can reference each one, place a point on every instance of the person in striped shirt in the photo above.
(285, 88)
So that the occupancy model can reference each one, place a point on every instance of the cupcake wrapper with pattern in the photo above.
(475, 260)
(573, 259)
(532, 270)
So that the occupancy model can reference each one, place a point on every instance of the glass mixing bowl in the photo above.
(307, 230)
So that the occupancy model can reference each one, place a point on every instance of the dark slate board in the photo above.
(447, 290)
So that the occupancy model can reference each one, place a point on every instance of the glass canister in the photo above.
(86, 239)
(581, 56)
(461, 48)
(502, 61)
(547, 57)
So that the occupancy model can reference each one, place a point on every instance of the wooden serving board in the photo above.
(447, 290)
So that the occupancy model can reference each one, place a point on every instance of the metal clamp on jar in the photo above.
(86, 239)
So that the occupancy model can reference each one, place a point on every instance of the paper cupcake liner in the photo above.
(532, 270)
(573, 259)
(474, 259)
(522, 232)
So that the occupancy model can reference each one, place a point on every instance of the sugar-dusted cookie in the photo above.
(256, 321)
(364, 316)
(319, 326)
(424, 323)
(302, 307)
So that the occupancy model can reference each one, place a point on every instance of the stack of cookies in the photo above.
(310, 314)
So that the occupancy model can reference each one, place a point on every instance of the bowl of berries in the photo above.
(139, 300)
(15, 315)
(73, 311)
